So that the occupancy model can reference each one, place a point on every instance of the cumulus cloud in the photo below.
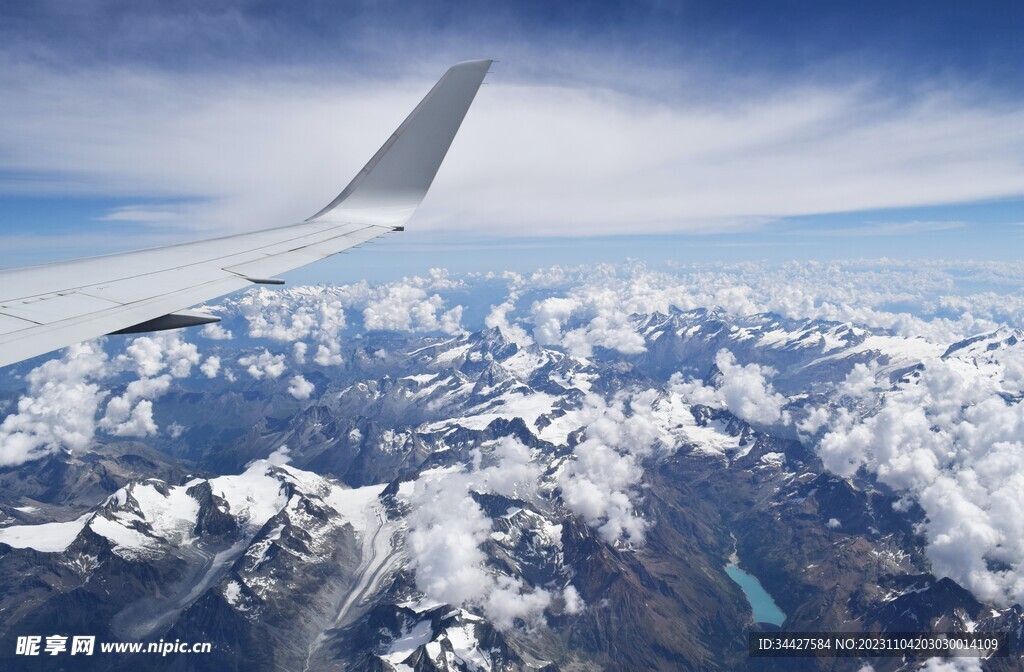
(595, 303)
(64, 396)
(746, 391)
(548, 317)
(600, 482)
(263, 365)
(150, 355)
(743, 389)
(131, 414)
(313, 319)
(293, 316)
(497, 318)
(950, 439)
(573, 602)
(814, 421)
(280, 457)
(327, 355)
(216, 332)
(404, 307)
(606, 322)
(59, 409)
(300, 388)
(139, 422)
(447, 528)
(861, 380)
(211, 367)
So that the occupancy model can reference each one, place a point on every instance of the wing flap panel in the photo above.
(40, 339)
(269, 266)
(9, 323)
(56, 307)
(151, 285)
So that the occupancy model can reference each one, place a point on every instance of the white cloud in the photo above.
(139, 422)
(59, 409)
(952, 442)
(600, 481)
(405, 307)
(815, 420)
(744, 390)
(318, 314)
(300, 388)
(548, 317)
(327, 355)
(861, 380)
(263, 365)
(279, 457)
(861, 292)
(952, 665)
(216, 332)
(131, 414)
(447, 528)
(498, 318)
(682, 165)
(292, 316)
(211, 367)
(573, 602)
(146, 354)
(152, 354)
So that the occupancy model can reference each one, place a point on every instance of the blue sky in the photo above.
(670, 132)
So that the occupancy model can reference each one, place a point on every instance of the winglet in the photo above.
(391, 186)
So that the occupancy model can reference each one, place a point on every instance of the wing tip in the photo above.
(392, 184)
(483, 63)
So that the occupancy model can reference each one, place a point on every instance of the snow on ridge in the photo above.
(528, 407)
(45, 537)
(125, 541)
(173, 516)
(254, 496)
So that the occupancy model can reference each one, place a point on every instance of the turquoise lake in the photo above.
(764, 607)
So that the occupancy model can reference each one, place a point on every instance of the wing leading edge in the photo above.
(43, 308)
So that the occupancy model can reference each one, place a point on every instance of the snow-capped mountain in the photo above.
(469, 502)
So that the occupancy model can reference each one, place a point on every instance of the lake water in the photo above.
(764, 607)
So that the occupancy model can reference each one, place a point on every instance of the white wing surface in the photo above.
(43, 308)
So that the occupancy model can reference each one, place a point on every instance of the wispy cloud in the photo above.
(536, 160)
(142, 214)
(882, 229)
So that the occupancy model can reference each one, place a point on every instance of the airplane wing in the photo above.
(43, 308)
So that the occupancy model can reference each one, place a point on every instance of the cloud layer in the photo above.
(534, 157)
(947, 438)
